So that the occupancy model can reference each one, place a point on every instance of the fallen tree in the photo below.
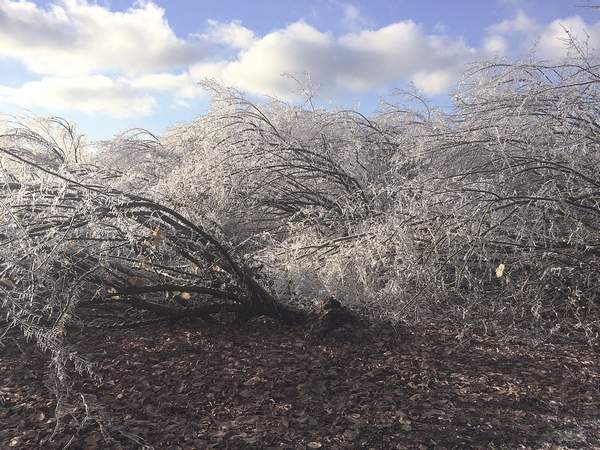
(68, 240)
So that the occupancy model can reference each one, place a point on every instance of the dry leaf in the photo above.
(500, 270)
(136, 281)
(314, 445)
(158, 236)
(253, 381)
(7, 283)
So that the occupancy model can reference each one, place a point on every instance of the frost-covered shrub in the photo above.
(514, 181)
(137, 161)
(491, 208)
(497, 199)
(259, 167)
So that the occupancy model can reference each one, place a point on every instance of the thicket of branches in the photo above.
(489, 212)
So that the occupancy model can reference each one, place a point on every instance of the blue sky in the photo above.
(109, 65)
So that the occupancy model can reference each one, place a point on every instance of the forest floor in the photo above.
(266, 386)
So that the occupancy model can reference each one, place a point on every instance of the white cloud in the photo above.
(76, 37)
(433, 83)
(352, 17)
(298, 48)
(233, 34)
(182, 85)
(495, 45)
(521, 23)
(554, 38)
(121, 64)
(91, 94)
(358, 61)
(523, 34)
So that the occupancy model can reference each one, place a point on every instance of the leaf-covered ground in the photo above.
(264, 386)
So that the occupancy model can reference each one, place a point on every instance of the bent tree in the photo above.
(68, 239)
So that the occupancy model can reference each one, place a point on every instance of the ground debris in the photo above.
(264, 386)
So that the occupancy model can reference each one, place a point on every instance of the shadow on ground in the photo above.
(263, 386)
